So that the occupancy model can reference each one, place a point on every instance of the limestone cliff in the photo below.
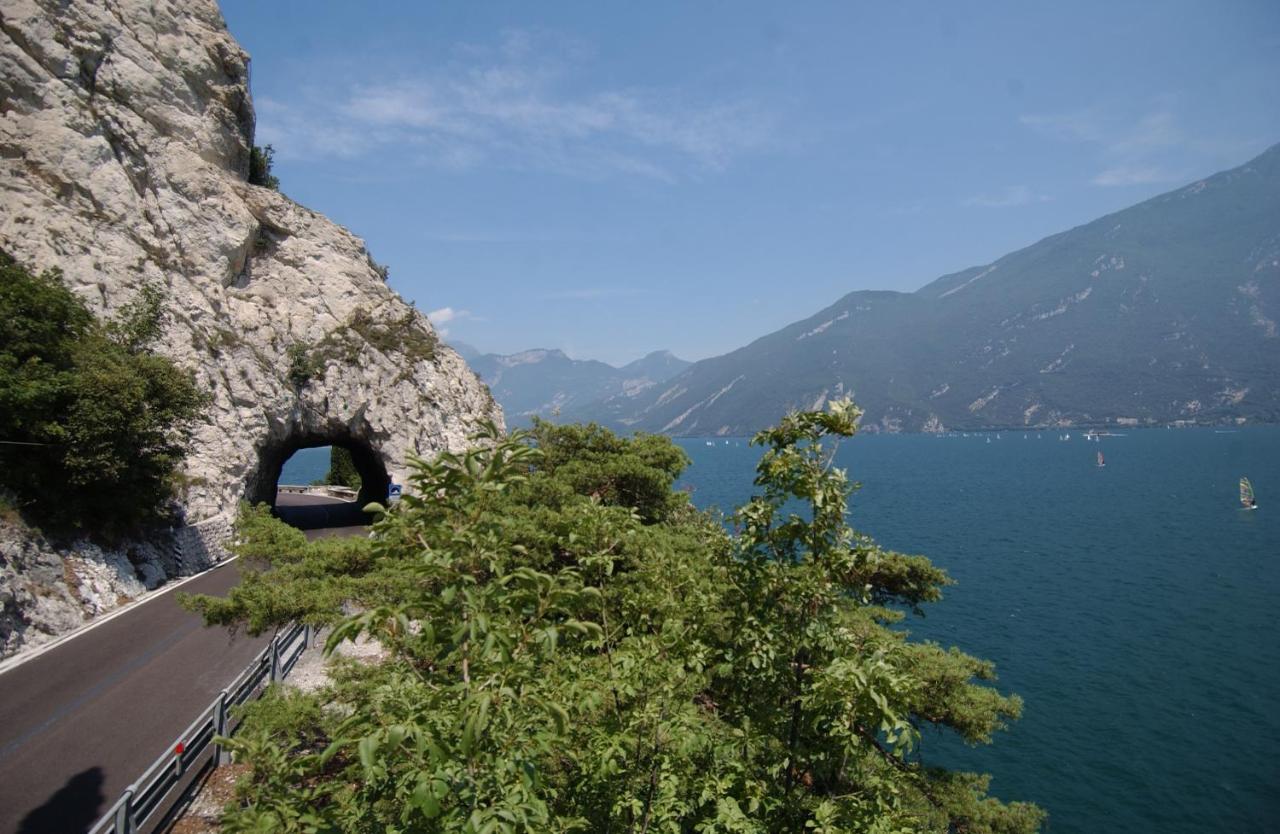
(125, 136)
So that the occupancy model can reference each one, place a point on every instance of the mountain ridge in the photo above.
(1161, 312)
(546, 382)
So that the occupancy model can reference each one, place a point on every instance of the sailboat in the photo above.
(1101, 460)
(1246, 495)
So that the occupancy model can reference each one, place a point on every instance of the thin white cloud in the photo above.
(515, 106)
(445, 315)
(1134, 175)
(1142, 149)
(590, 293)
(1151, 132)
(1115, 136)
(1013, 195)
(1079, 126)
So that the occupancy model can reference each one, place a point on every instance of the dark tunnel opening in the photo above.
(314, 510)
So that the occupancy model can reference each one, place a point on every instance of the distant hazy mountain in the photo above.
(1162, 312)
(547, 383)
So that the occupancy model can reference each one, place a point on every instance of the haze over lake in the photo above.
(1132, 606)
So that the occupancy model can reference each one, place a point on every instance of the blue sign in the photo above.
(394, 491)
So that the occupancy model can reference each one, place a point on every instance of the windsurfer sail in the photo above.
(1101, 460)
(1246, 495)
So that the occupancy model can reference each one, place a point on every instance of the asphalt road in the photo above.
(83, 720)
(320, 516)
(80, 722)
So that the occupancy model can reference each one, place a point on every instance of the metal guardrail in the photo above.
(147, 796)
(331, 490)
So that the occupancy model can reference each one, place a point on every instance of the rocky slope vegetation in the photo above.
(125, 137)
(1166, 311)
(548, 384)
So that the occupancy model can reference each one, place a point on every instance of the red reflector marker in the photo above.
(178, 748)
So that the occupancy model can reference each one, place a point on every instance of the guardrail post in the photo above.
(120, 818)
(219, 727)
(275, 658)
(124, 814)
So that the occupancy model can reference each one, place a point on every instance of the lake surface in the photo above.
(1134, 607)
(306, 466)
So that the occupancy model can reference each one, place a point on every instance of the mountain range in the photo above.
(547, 383)
(1164, 312)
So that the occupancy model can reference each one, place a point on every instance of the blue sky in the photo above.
(612, 178)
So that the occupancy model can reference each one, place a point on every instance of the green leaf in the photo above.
(425, 799)
(559, 717)
(368, 750)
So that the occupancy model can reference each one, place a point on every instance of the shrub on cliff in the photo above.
(94, 423)
(261, 160)
(558, 661)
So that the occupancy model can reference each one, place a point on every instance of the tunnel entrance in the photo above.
(310, 507)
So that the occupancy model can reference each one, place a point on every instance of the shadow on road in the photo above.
(317, 516)
(71, 810)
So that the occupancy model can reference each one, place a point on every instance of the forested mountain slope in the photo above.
(1161, 312)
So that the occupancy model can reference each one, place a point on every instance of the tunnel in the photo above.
(262, 487)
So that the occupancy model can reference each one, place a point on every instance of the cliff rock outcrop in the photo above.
(125, 136)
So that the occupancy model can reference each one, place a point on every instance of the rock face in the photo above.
(125, 137)
(46, 590)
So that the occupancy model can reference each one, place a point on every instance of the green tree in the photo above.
(260, 161)
(342, 468)
(591, 460)
(96, 424)
(305, 364)
(559, 659)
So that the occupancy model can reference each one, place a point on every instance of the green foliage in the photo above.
(400, 337)
(288, 579)
(567, 649)
(108, 420)
(286, 715)
(590, 460)
(140, 322)
(260, 161)
(342, 469)
(305, 364)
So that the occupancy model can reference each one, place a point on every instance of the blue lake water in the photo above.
(306, 466)
(1134, 607)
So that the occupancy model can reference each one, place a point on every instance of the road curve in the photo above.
(320, 516)
(81, 721)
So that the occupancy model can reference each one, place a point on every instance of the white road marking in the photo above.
(19, 659)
